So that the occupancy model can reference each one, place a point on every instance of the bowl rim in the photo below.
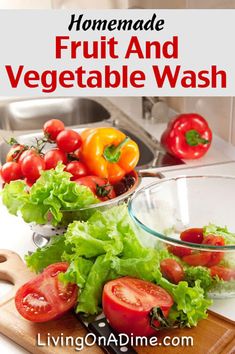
(167, 239)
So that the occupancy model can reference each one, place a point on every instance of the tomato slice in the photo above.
(179, 251)
(214, 240)
(223, 273)
(45, 298)
(216, 257)
(193, 235)
(172, 270)
(198, 259)
(127, 303)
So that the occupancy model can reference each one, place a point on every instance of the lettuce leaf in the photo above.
(77, 272)
(190, 304)
(192, 274)
(14, 195)
(107, 247)
(52, 193)
(228, 237)
(87, 240)
(90, 296)
(49, 254)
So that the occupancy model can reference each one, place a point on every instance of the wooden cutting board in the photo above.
(215, 335)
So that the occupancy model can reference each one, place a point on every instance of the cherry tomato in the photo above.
(198, 259)
(54, 156)
(216, 256)
(68, 140)
(99, 186)
(194, 235)
(179, 251)
(29, 183)
(214, 240)
(15, 152)
(11, 171)
(172, 270)
(26, 153)
(31, 166)
(127, 303)
(45, 298)
(223, 273)
(52, 128)
(77, 169)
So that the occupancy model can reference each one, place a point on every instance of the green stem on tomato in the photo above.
(12, 141)
(156, 314)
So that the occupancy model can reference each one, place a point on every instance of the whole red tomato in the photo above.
(26, 153)
(54, 156)
(128, 305)
(11, 171)
(99, 186)
(32, 166)
(68, 140)
(193, 235)
(45, 298)
(52, 128)
(77, 169)
(172, 270)
(15, 152)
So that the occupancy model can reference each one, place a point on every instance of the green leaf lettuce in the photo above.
(107, 247)
(52, 193)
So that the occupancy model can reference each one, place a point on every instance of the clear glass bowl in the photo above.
(166, 208)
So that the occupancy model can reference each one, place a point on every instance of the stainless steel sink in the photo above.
(25, 118)
(32, 114)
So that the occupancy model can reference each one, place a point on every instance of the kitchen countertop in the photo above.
(219, 152)
(17, 236)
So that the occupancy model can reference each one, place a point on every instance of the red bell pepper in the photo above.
(187, 136)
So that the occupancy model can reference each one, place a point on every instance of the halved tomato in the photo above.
(128, 304)
(216, 256)
(45, 298)
(223, 273)
(198, 259)
(179, 251)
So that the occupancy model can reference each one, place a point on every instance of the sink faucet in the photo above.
(155, 109)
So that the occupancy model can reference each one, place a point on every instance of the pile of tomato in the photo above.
(27, 162)
(210, 259)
